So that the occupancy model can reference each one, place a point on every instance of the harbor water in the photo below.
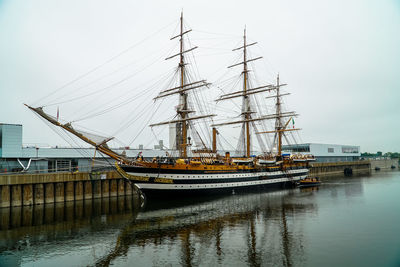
(349, 221)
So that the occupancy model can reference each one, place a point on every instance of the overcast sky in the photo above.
(340, 58)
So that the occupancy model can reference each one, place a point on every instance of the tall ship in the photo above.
(206, 168)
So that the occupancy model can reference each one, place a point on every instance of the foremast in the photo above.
(182, 90)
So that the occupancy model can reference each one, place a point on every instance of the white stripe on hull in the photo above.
(216, 185)
(217, 175)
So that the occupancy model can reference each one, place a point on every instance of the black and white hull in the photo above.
(171, 182)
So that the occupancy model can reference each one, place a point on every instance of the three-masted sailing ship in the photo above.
(205, 170)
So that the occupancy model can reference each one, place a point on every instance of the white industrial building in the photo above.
(14, 157)
(326, 152)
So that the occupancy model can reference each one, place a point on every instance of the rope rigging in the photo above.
(118, 55)
(133, 104)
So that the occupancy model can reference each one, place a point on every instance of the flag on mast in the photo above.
(293, 122)
(58, 113)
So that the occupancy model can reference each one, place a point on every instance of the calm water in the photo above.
(344, 222)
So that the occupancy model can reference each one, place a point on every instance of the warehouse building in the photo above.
(33, 159)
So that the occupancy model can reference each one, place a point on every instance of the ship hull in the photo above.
(169, 183)
(152, 192)
(176, 194)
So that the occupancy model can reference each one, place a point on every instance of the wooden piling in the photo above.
(49, 193)
(96, 187)
(27, 194)
(40, 189)
(78, 190)
(69, 191)
(5, 195)
(105, 188)
(38, 194)
(16, 195)
(87, 190)
(59, 192)
(113, 188)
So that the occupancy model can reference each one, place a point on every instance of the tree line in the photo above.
(392, 155)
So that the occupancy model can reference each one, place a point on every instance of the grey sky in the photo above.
(340, 58)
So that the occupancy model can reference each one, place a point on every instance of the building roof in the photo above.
(71, 152)
(322, 144)
(10, 124)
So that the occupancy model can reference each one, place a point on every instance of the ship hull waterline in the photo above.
(178, 184)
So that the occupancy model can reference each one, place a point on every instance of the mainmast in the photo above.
(246, 111)
(247, 118)
(183, 108)
(245, 93)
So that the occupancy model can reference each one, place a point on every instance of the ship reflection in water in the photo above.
(244, 228)
(278, 228)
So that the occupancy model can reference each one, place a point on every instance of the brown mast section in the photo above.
(214, 140)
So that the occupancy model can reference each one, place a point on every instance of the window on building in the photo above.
(74, 165)
(63, 165)
(297, 148)
(349, 149)
(331, 150)
(51, 166)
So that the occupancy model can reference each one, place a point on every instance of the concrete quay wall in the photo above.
(384, 163)
(33, 189)
(332, 169)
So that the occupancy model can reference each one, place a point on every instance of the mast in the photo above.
(183, 97)
(244, 94)
(246, 97)
(278, 123)
(280, 128)
(214, 140)
(247, 118)
(182, 90)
